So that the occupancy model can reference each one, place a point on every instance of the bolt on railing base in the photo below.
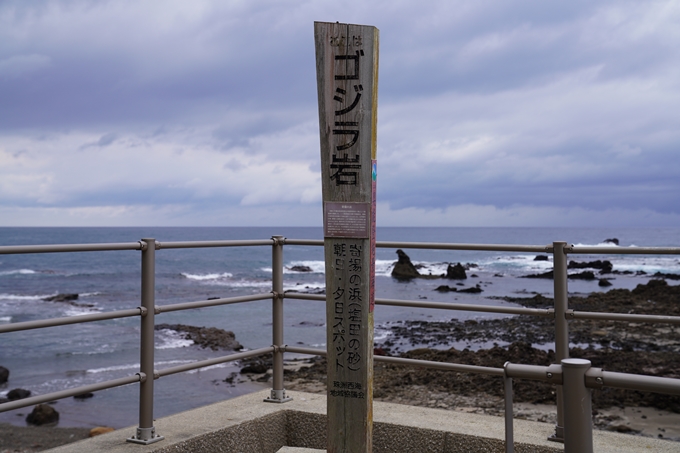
(278, 396)
(558, 435)
(145, 436)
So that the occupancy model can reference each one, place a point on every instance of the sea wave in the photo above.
(18, 272)
(25, 297)
(5, 319)
(206, 277)
(317, 267)
(171, 339)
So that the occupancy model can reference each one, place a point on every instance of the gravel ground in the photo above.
(14, 439)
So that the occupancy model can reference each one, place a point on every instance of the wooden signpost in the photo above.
(347, 82)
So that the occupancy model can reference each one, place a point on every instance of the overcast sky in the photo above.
(491, 113)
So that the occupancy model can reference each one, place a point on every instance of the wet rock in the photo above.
(605, 267)
(43, 414)
(300, 268)
(83, 396)
(456, 272)
(206, 337)
(666, 276)
(604, 282)
(404, 268)
(472, 290)
(4, 374)
(541, 258)
(18, 394)
(585, 275)
(445, 289)
(549, 275)
(61, 298)
(611, 241)
(256, 368)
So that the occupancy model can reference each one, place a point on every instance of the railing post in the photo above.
(561, 327)
(578, 416)
(509, 417)
(146, 433)
(278, 393)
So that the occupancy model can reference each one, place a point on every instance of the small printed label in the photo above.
(346, 220)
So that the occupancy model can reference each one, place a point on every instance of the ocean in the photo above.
(56, 358)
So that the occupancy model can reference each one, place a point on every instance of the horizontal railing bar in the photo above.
(640, 382)
(552, 373)
(547, 312)
(623, 250)
(210, 362)
(59, 248)
(442, 246)
(316, 242)
(413, 362)
(211, 303)
(28, 325)
(441, 365)
(310, 351)
(203, 244)
(480, 247)
(623, 317)
(304, 296)
(24, 402)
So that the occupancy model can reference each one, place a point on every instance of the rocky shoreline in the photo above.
(615, 346)
(650, 349)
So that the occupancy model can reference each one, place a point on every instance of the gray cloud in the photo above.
(550, 106)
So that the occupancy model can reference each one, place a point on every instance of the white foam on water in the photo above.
(207, 277)
(170, 339)
(243, 283)
(18, 272)
(5, 319)
(24, 297)
(211, 367)
(304, 287)
(80, 311)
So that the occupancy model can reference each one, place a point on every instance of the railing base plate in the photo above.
(134, 440)
(278, 396)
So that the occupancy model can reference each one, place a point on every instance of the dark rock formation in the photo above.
(666, 276)
(548, 274)
(605, 266)
(585, 275)
(471, 290)
(456, 272)
(604, 282)
(4, 374)
(18, 394)
(445, 288)
(61, 298)
(67, 298)
(404, 268)
(256, 368)
(611, 241)
(83, 396)
(206, 337)
(300, 268)
(541, 258)
(43, 414)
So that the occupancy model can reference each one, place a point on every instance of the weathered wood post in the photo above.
(347, 82)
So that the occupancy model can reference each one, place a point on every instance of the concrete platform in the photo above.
(249, 425)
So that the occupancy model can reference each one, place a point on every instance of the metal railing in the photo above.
(573, 377)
